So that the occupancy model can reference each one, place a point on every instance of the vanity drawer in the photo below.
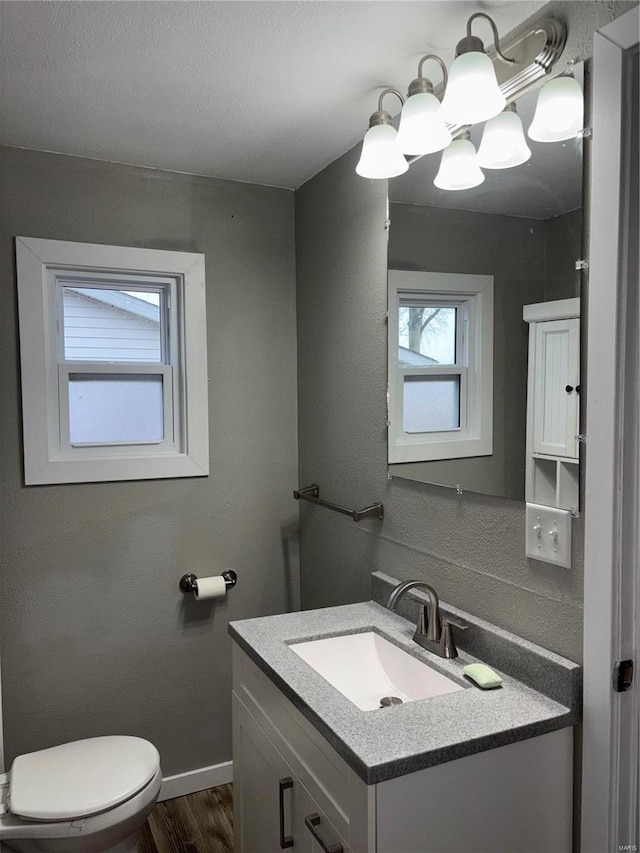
(345, 799)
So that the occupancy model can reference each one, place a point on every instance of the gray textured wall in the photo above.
(512, 250)
(563, 248)
(96, 638)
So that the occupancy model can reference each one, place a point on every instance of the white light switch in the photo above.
(549, 534)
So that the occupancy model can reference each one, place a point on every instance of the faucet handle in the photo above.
(423, 620)
(447, 640)
(429, 622)
(451, 620)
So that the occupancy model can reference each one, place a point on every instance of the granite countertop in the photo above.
(382, 744)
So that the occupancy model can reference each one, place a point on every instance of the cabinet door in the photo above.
(343, 798)
(265, 790)
(556, 378)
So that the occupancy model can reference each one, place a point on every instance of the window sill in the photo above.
(452, 448)
(143, 467)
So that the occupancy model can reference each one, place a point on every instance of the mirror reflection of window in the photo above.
(429, 331)
(427, 336)
(440, 365)
(431, 403)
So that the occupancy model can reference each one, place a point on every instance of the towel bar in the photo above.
(311, 493)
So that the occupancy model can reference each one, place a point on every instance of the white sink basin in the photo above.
(366, 668)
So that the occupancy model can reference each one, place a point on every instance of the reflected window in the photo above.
(431, 403)
(426, 331)
(440, 366)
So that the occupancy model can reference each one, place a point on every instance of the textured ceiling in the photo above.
(266, 92)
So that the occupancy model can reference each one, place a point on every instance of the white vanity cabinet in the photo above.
(553, 403)
(290, 785)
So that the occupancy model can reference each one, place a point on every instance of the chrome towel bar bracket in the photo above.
(312, 494)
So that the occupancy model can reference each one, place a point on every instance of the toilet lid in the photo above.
(81, 778)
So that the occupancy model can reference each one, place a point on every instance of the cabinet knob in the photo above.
(568, 388)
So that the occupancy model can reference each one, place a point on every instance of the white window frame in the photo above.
(472, 295)
(44, 267)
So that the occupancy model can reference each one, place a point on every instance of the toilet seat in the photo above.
(82, 778)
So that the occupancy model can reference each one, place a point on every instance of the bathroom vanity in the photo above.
(465, 771)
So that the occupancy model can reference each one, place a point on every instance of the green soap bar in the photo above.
(482, 675)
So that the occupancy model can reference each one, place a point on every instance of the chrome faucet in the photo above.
(432, 633)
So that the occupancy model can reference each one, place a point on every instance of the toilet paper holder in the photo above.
(188, 582)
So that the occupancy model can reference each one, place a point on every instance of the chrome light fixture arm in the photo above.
(381, 116)
(474, 43)
(390, 91)
(423, 84)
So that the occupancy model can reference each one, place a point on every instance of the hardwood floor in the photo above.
(198, 823)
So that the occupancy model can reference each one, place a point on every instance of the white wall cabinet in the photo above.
(513, 799)
(553, 403)
(556, 380)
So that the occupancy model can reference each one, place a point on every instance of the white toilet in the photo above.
(89, 796)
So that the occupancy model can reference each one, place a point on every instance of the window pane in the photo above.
(431, 403)
(427, 335)
(111, 325)
(115, 408)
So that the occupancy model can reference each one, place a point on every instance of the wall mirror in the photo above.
(484, 324)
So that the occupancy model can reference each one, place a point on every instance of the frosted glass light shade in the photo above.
(459, 168)
(472, 94)
(381, 157)
(503, 144)
(559, 111)
(422, 129)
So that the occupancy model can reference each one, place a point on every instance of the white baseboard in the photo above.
(196, 780)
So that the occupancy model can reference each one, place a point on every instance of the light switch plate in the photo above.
(549, 534)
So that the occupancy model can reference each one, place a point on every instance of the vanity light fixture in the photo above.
(381, 156)
(503, 144)
(422, 129)
(472, 94)
(459, 168)
(559, 111)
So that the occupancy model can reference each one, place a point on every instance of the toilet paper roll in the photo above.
(207, 588)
